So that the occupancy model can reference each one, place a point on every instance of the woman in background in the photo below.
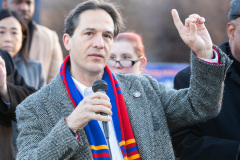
(127, 54)
(14, 38)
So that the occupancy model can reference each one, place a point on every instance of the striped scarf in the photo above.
(120, 118)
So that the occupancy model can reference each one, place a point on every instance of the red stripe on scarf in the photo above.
(131, 145)
(132, 153)
(65, 80)
(100, 155)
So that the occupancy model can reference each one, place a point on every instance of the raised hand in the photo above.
(89, 109)
(3, 80)
(194, 34)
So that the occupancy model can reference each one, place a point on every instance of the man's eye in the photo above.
(89, 33)
(107, 36)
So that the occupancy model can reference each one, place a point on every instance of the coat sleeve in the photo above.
(59, 143)
(202, 100)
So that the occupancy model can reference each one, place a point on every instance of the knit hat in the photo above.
(234, 10)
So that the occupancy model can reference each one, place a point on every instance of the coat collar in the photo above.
(58, 95)
(231, 71)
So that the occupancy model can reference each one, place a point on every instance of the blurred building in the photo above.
(153, 20)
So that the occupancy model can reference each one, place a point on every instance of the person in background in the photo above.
(127, 54)
(217, 138)
(44, 44)
(14, 38)
(13, 90)
(62, 120)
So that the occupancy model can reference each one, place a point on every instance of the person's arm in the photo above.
(203, 99)
(192, 143)
(42, 138)
(59, 143)
(16, 88)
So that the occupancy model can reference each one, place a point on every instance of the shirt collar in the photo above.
(85, 91)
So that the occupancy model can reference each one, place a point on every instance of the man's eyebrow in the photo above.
(110, 32)
(92, 29)
(2, 27)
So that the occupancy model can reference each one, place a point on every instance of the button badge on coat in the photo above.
(136, 94)
(156, 126)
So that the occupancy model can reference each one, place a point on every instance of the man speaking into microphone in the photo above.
(64, 119)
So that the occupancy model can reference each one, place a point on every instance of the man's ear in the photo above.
(143, 63)
(66, 42)
(231, 30)
(4, 4)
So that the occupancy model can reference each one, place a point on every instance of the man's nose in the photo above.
(99, 42)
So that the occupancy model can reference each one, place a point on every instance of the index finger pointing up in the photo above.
(178, 23)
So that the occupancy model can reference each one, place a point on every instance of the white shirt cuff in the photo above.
(215, 60)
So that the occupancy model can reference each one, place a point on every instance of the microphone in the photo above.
(101, 86)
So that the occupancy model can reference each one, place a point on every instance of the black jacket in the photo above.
(18, 91)
(217, 138)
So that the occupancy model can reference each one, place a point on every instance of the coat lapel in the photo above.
(60, 98)
(139, 115)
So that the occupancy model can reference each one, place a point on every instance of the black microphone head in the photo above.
(100, 85)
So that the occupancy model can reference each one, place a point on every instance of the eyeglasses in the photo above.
(125, 63)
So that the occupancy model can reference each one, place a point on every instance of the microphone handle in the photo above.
(105, 124)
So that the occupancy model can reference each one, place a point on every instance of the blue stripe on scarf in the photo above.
(100, 151)
(117, 85)
(132, 149)
(119, 92)
(77, 97)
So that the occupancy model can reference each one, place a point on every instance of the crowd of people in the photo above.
(48, 109)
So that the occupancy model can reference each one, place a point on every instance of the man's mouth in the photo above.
(97, 55)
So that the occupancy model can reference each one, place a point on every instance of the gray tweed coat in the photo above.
(44, 134)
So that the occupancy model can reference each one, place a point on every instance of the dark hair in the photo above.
(133, 38)
(72, 20)
(5, 13)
